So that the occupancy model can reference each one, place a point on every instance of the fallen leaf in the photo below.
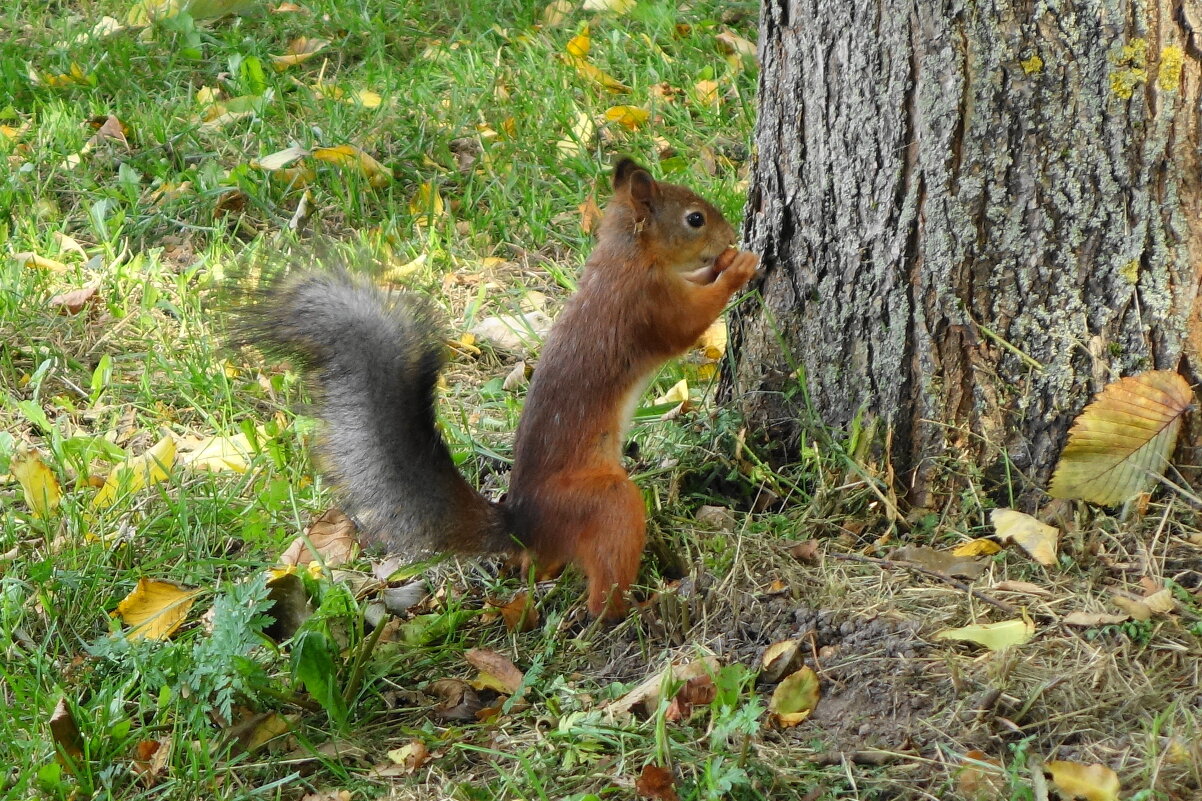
(38, 482)
(941, 561)
(612, 6)
(397, 273)
(977, 547)
(332, 534)
(656, 783)
(598, 76)
(155, 608)
(1036, 538)
(1092, 619)
(732, 44)
(779, 659)
(697, 691)
(350, 156)
(67, 739)
(994, 636)
(410, 756)
(520, 614)
(427, 205)
(629, 117)
(290, 605)
(718, 518)
(31, 259)
(137, 472)
(517, 377)
(299, 50)
(981, 778)
(513, 333)
(280, 158)
(555, 13)
(678, 393)
(578, 46)
(582, 135)
(1091, 782)
(712, 342)
(73, 302)
(218, 453)
(1137, 610)
(150, 760)
(1123, 439)
(794, 698)
(1161, 601)
(496, 665)
(456, 699)
(1025, 587)
(705, 93)
(645, 697)
(805, 552)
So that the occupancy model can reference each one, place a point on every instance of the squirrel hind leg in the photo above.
(610, 546)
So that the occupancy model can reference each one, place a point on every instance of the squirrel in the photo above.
(662, 271)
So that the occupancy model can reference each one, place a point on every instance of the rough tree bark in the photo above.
(973, 215)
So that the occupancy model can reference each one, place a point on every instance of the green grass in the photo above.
(174, 227)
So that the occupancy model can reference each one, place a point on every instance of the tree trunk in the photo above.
(973, 215)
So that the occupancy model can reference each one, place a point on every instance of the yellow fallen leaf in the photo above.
(578, 45)
(1036, 538)
(219, 453)
(581, 138)
(397, 273)
(705, 93)
(38, 482)
(712, 342)
(994, 636)
(137, 472)
(779, 658)
(299, 50)
(155, 609)
(1090, 782)
(630, 117)
(350, 156)
(30, 259)
(612, 6)
(977, 547)
(1138, 610)
(597, 75)
(794, 698)
(1123, 439)
(679, 393)
(426, 205)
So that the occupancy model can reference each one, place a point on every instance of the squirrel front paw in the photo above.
(739, 268)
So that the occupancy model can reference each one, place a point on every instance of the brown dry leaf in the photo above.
(656, 783)
(520, 614)
(517, 376)
(350, 156)
(1091, 782)
(705, 93)
(410, 756)
(155, 608)
(555, 13)
(299, 50)
(457, 700)
(794, 698)
(629, 117)
(1036, 538)
(1024, 587)
(332, 534)
(1092, 619)
(30, 259)
(136, 472)
(1123, 439)
(1137, 610)
(150, 760)
(65, 731)
(1161, 601)
(982, 778)
(977, 547)
(994, 636)
(645, 697)
(38, 482)
(779, 659)
(497, 666)
(73, 302)
(290, 605)
(731, 44)
(590, 214)
(941, 561)
(697, 691)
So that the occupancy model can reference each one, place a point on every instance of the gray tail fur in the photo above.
(372, 361)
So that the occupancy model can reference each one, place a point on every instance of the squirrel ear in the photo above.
(639, 184)
(624, 169)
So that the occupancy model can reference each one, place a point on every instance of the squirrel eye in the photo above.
(695, 219)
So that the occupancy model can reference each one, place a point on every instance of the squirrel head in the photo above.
(671, 226)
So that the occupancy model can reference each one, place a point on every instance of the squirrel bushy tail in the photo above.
(372, 361)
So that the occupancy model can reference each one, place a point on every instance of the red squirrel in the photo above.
(661, 273)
